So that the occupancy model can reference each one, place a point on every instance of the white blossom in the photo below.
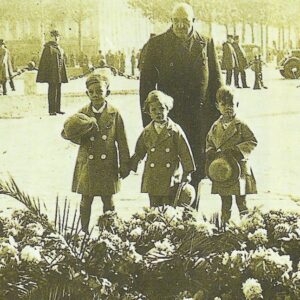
(31, 254)
(136, 232)
(252, 289)
(259, 237)
(37, 228)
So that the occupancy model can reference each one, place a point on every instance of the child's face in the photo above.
(158, 112)
(227, 110)
(97, 93)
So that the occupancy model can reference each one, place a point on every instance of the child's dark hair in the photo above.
(158, 96)
(225, 95)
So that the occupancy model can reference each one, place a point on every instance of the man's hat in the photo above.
(184, 194)
(2, 42)
(54, 33)
(229, 36)
(77, 126)
(236, 37)
(223, 169)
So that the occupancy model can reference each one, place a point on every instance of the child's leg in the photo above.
(241, 204)
(85, 211)
(108, 203)
(226, 208)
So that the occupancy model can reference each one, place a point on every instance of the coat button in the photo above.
(152, 149)
(91, 156)
(104, 137)
(168, 165)
(103, 156)
(167, 150)
(92, 138)
(152, 165)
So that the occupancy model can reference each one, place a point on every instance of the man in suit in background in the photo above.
(52, 70)
(242, 62)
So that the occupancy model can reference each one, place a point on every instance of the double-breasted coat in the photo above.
(165, 152)
(241, 56)
(102, 155)
(190, 74)
(229, 58)
(236, 134)
(52, 67)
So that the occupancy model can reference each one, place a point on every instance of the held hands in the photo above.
(124, 170)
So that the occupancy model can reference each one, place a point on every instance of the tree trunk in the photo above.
(226, 27)
(243, 32)
(290, 44)
(267, 44)
(283, 37)
(252, 33)
(79, 23)
(279, 38)
(262, 50)
(209, 28)
(234, 29)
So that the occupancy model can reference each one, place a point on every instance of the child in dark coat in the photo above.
(166, 147)
(103, 155)
(231, 137)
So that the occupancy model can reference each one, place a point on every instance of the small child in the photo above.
(166, 147)
(231, 137)
(103, 155)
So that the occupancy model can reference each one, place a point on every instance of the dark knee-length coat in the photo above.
(236, 134)
(102, 155)
(52, 68)
(191, 76)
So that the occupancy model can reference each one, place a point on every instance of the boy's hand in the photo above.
(95, 124)
(235, 152)
(124, 171)
(210, 154)
(186, 178)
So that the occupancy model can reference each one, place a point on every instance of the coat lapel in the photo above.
(165, 133)
(198, 50)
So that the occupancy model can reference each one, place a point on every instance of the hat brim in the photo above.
(79, 134)
(235, 170)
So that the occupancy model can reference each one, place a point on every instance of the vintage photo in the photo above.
(149, 150)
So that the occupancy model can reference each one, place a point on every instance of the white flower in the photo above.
(31, 254)
(225, 258)
(217, 298)
(238, 256)
(6, 249)
(259, 237)
(252, 289)
(105, 285)
(37, 228)
(174, 214)
(163, 246)
(136, 232)
(157, 226)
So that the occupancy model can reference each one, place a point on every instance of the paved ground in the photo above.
(42, 163)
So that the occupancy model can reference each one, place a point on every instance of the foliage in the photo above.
(160, 253)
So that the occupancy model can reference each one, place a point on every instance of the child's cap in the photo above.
(158, 96)
(97, 76)
(225, 94)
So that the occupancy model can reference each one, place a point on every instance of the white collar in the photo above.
(100, 110)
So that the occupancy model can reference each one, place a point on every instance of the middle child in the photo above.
(169, 157)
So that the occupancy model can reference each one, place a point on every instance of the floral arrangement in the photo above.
(160, 253)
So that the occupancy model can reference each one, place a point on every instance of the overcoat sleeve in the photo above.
(185, 154)
(215, 78)
(44, 65)
(148, 77)
(209, 143)
(249, 141)
(121, 139)
(139, 154)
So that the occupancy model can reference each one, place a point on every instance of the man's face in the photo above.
(97, 93)
(182, 22)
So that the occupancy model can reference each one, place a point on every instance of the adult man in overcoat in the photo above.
(183, 64)
(52, 70)
(229, 60)
(242, 62)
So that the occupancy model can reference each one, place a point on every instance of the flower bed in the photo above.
(162, 253)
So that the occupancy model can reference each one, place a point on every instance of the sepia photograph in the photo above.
(149, 150)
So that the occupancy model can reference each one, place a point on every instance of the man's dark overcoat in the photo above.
(190, 73)
(229, 59)
(241, 56)
(52, 67)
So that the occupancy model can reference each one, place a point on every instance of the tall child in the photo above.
(103, 154)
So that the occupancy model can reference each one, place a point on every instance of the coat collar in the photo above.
(224, 135)
(106, 116)
(153, 139)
